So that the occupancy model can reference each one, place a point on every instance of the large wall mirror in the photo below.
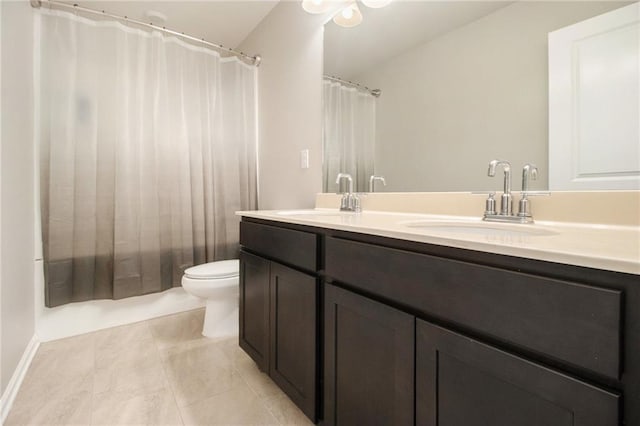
(461, 83)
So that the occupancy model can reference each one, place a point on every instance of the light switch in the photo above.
(304, 159)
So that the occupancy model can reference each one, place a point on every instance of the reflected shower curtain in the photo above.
(148, 147)
(348, 135)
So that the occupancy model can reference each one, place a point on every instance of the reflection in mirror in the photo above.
(349, 121)
(462, 83)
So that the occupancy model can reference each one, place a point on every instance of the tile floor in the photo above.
(156, 372)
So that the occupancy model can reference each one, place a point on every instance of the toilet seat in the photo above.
(218, 284)
(214, 270)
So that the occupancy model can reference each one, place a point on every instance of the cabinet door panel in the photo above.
(294, 336)
(462, 382)
(254, 308)
(369, 361)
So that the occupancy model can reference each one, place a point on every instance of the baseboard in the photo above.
(20, 372)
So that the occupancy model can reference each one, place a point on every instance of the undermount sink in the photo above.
(476, 227)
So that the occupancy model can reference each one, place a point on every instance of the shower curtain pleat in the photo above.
(148, 147)
(349, 120)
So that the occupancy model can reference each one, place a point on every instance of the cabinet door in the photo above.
(292, 364)
(254, 308)
(462, 382)
(369, 361)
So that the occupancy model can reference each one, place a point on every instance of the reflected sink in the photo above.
(479, 228)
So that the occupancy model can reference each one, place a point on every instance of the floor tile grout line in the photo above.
(166, 376)
(261, 399)
(93, 381)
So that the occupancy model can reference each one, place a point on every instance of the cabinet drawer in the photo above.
(574, 323)
(296, 248)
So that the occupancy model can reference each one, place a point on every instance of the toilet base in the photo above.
(221, 318)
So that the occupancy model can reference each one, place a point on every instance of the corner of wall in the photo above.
(17, 191)
(9, 394)
(290, 96)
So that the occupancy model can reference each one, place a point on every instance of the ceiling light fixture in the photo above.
(349, 16)
(316, 6)
(375, 4)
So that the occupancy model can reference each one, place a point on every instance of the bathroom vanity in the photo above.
(362, 323)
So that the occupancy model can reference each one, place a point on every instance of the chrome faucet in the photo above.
(372, 181)
(529, 171)
(350, 201)
(506, 200)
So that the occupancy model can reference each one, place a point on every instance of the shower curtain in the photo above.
(348, 135)
(147, 147)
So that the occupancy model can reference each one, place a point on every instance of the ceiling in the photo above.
(387, 32)
(222, 22)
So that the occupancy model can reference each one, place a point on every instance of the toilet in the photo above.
(218, 284)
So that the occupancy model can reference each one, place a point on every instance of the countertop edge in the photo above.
(629, 266)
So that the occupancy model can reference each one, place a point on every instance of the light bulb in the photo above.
(316, 6)
(375, 4)
(350, 16)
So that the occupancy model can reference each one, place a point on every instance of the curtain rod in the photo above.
(254, 60)
(373, 92)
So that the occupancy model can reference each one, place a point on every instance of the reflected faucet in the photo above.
(350, 201)
(529, 171)
(506, 200)
(372, 181)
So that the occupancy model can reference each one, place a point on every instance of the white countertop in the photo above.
(608, 247)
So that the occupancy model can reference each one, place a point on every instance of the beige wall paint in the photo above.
(17, 186)
(290, 96)
(450, 106)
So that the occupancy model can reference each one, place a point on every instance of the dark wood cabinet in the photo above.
(368, 361)
(463, 382)
(254, 308)
(412, 333)
(279, 309)
(293, 342)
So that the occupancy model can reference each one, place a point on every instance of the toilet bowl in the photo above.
(218, 284)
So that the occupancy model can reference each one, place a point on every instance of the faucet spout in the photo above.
(349, 179)
(507, 173)
(372, 180)
(506, 200)
(529, 172)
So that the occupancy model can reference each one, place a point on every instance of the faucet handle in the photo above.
(490, 204)
(524, 206)
(344, 203)
(357, 206)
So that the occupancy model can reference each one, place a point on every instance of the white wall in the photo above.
(17, 186)
(290, 105)
(477, 93)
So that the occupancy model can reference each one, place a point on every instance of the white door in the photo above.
(594, 98)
